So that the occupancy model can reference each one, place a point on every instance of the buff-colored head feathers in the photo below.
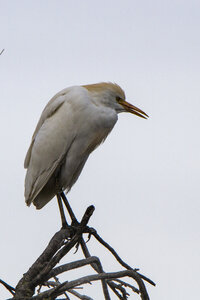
(98, 87)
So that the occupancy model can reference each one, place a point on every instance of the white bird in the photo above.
(72, 125)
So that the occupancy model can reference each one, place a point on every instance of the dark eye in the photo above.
(118, 98)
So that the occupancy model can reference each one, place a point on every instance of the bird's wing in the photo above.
(50, 109)
(52, 138)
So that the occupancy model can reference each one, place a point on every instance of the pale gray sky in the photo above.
(144, 181)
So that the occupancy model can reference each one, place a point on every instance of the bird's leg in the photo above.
(63, 219)
(60, 205)
(70, 211)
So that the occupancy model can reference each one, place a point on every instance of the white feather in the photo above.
(67, 132)
(72, 125)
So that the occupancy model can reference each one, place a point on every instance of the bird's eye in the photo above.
(118, 98)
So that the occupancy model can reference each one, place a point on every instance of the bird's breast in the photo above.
(92, 131)
(96, 128)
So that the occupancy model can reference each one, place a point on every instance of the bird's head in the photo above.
(112, 95)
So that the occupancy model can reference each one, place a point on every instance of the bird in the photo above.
(73, 124)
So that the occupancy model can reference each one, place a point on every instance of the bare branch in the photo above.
(97, 267)
(73, 265)
(115, 287)
(44, 270)
(8, 287)
(54, 292)
(78, 295)
(134, 289)
(53, 253)
(28, 280)
(125, 265)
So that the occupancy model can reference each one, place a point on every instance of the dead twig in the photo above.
(78, 295)
(8, 287)
(67, 285)
(118, 258)
(123, 283)
(97, 267)
(44, 270)
(53, 253)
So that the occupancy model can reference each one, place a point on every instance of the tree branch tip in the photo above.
(147, 279)
(8, 287)
(90, 209)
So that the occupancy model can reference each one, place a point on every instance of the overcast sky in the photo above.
(144, 180)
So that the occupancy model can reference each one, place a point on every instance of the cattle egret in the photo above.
(72, 125)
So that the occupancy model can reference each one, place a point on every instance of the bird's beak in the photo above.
(133, 109)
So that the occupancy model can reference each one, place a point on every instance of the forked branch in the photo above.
(44, 272)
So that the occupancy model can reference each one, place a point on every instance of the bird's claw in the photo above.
(77, 247)
(90, 232)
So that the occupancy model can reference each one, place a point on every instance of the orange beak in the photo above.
(133, 109)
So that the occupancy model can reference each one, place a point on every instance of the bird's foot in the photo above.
(90, 231)
(84, 229)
